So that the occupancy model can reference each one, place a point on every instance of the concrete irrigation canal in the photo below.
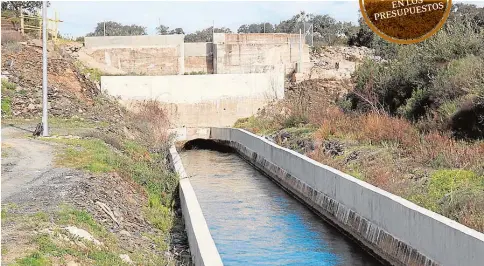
(248, 201)
(254, 222)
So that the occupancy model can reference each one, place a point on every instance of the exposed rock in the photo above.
(333, 148)
(81, 233)
(125, 233)
(352, 156)
(125, 258)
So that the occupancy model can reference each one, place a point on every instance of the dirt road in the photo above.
(27, 164)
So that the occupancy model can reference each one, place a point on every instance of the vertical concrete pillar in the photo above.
(214, 58)
(181, 58)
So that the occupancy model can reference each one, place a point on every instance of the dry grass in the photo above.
(152, 123)
(391, 154)
(371, 128)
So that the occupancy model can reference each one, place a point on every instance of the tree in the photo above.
(162, 30)
(243, 29)
(321, 23)
(256, 28)
(205, 35)
(177, 31)
(294, 24)
(117, 29)
(29, 6)
(364, 36)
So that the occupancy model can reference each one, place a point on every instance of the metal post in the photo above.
(22, 27)
(40, 24)
(264, 27)
(45, 131)
(104, 23)
(300, 52)
(312, 35)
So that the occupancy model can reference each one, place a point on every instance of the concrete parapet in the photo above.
(393, 228)
(142, 41)
(202, 247)
(200, 100)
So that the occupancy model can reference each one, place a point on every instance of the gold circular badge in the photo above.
(405, 21)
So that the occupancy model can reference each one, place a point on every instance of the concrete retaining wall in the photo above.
(228, 54)
(258, 53)
(144, 55)
(202, 246)
(198, 57)
(395, 229)
(142, 41)
(200, 100)
(143, 61)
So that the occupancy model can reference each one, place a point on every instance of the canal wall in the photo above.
(199, 100)
(202, 247)
(391, 227)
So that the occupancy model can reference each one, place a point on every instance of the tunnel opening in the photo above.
(208, 144)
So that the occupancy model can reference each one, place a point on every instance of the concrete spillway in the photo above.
(253, 221)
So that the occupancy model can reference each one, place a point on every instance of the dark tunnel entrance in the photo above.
(208, 144)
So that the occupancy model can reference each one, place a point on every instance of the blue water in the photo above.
(255, 222)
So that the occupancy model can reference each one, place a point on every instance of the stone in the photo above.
(125, 233)
(72, 263)
(125, 258)
(81, 233)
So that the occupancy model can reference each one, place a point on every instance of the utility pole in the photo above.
(213, 29)
(312, 35)
(299, 69)
(40, 24)
(56, 31)
(22, 26)
(104, 28)
(45, 128)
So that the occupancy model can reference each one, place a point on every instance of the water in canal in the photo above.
(255, 222)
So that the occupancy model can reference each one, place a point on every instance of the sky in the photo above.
(81, 17)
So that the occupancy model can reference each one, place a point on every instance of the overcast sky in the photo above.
(81, 17)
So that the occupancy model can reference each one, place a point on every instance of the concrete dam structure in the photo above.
(250, 201)
(393, 230)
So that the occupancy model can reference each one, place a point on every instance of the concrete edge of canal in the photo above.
(202, 246)
(390, 227)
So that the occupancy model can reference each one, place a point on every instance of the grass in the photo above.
(133, 161)
(93, 73)
(92, 155)
(195, 73)
(35, 259)
(70, 216)
(60, 123)
(7, 85)
(6, 105)
(51, 248)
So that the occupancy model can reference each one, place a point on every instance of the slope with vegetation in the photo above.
(412, 124)
(112, 177)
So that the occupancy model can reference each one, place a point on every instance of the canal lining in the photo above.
(225, 146)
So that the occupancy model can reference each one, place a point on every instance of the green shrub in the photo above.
(7, 85)
(445, 183)
(426, 80)
(6, 106)
(415, 105)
